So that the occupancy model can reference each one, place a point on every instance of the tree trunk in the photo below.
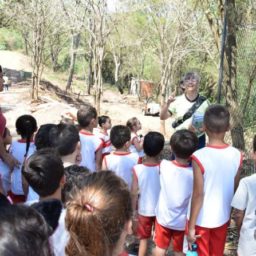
(231, 83)
(74, 45)
(90, 74)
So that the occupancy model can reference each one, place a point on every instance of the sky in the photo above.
(111, 5)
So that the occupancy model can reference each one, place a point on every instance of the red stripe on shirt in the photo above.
(194, 158)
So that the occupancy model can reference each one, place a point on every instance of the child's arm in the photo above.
(98, 159)
(239, 217)
(104, 164)
(138, 144)
(134, 193)
(197, 200)
(237, 177)
(239, 203)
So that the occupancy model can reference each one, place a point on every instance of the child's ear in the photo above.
(62, 181)
(94, 122)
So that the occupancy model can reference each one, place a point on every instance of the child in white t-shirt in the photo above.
(216, 171)
(176, 181)
(146, 188)
(26, 126)
(121, 161)
(244, 202)
(103, 134)
(136, 140)
(91, 145)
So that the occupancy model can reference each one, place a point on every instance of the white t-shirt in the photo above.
(149, 187)
(219, 166)
(176, 183)
(133, 148)
(106, 146)
(245, 200)
(90, 144)
(180, 107)
(5, 176)
(60, 237)
(18, 150)
(122, 163)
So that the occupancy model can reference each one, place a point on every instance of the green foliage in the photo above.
(10, 39)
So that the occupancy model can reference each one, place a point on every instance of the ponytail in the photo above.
(97, 214)
(26, 126)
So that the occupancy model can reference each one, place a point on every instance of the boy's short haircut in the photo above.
(184, 143)
(42, 138)
(119, 135)
(254, 144)
(65, 138)
(153, 143)
(44, 171)
(85, 115)
(75, 176)
(217, 118)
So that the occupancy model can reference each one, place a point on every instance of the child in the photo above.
(99, 216)
(176, 181)
(26, 126)
(136, 141)
(42, 140)
(65, 139)
(146, 182)
(74, 175)
(44, 172)
(121, 161)
(103, 134)
(244, 203)
(91, 145)
(216, 170)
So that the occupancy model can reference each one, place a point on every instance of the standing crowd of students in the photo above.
(80, 190)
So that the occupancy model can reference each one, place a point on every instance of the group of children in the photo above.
(189, 196)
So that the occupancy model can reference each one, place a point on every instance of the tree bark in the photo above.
(75, 40)
(237, 133)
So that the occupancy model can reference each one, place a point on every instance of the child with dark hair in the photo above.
(65, 139)
(99, 216)
(103, 134)
(136, 141)
(91, 145)
(121, 160)
(44, 172)
(176, 181)
(26, 126)
(42, 137)
(244, 204)
(23, 231)
(216, 170)
(75, 176)
(146, 188)
(42, 140)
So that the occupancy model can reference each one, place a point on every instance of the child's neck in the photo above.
(182, 161)
(69, 159)
(217, 141)
(105, 131)
(123, 149)
(151, 160)
(87, 129)
(55, 195)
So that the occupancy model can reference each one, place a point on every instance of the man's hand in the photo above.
(170, 99)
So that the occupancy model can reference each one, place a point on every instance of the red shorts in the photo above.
(163, 237)
(145, 225)
(212, 240)
(16, 199)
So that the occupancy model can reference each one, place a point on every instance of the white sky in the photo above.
(111, 5)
